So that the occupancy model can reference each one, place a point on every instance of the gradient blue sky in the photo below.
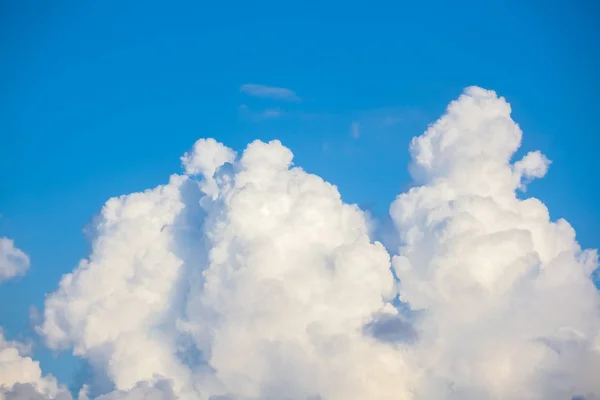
(99, 99)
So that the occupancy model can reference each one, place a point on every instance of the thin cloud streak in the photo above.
(355, 130)
(260, 115)
(270, 92)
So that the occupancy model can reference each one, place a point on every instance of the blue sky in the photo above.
(100, 99)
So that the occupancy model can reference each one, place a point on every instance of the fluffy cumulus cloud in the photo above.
(13, 262)
(247, 278)
(111, 306)
(250, 280)
(508, 307)
(21, 377)
(290, 279)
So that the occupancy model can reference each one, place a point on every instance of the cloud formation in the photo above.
(508, 306)
(21, 377)
(246, 278)
(270, 92)
(277, 285)
(13, 262)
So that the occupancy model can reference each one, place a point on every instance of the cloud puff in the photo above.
(109, 306)
(273, 298)
(21, 377)
(271, 92)
(508, 306)
(247, 278)
(13, 262)
(206, 156)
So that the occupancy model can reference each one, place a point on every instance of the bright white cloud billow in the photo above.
(13, 262)
(249, 279)
(21, 377)
(109, 308)
(510, 310)
(277, 286)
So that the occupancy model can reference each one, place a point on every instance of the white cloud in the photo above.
(248, 278)
(206, 156)
(21, 377)
(274, 292)
(533, 165)
(271, 92)
(290, 281)
(13, 262)
(508, 306)
(109, 307)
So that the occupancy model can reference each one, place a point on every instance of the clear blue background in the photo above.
(101, 98)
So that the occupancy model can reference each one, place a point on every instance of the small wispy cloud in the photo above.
(384, 121)
(270, 92)
(355, 129)
(387, 117)
(271, 113)
(260, 115)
